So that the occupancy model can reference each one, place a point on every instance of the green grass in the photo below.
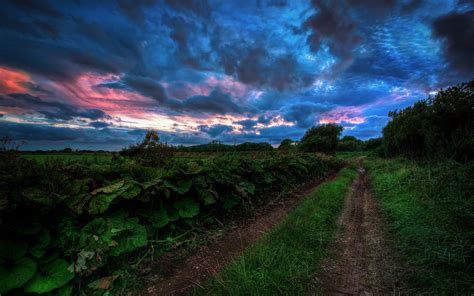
(69, 157)
(429, 210)
(284, 261)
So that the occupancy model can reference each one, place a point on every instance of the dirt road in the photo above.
(361, 263)
(209, 260)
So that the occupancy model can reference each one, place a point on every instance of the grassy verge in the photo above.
(285, 259)
(430, 210)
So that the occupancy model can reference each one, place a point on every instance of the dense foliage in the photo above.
(64, 226)
(150, 152)
(322, 138)
(215, 146)
(440, 126)
(349, 144)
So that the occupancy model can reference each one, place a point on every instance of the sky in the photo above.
(97, 74)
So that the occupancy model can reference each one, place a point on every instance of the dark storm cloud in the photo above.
(216, 102)
(332, 25)
(99, 124)
(215, 130)
(50, 109)
(134, 9)
(198, 7)
(304, 114)
(456, 30)
(123, 42)
(34, 132)
(146, 86)
(247, 124)
(379, 7)
(36, 7)
(258, 67)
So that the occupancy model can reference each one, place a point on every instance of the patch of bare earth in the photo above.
(206, 262)
(361, 263)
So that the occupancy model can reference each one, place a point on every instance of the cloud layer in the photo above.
(87, 74)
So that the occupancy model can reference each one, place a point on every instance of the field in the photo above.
(69, 157)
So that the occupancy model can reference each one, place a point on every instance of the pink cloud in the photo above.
(12, 81)
(349, 114)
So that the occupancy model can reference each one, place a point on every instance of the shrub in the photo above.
(438, 127)
(322, 138)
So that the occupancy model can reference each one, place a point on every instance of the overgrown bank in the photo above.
(284, 260)
(67, 228)
(430, 211)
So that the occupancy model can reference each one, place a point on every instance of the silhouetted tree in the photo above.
(285, 145)
(322, 138)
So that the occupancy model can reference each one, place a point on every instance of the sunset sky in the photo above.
(96, 74)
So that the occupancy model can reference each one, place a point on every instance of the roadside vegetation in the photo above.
(430, 211)
(81, 228)
(427, 190)
(284, 260)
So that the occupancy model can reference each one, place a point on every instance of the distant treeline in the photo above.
(219, 147)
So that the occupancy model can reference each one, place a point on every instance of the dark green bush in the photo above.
(438, 127)
(322, 138)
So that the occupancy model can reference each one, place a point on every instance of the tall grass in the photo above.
(431, 218)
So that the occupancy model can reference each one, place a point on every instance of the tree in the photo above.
(349, 144)
(285, 145)
(439, 126)
(150, 152)
(322, 138)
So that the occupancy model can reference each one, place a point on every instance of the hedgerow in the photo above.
(63, 225)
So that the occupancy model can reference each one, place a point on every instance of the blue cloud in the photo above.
(319, 55)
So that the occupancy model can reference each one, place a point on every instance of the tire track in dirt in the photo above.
(361, 263)
(206, 262)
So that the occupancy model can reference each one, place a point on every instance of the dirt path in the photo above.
(361, 263)
(209, 259)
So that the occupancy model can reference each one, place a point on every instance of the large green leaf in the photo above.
(187, 207)
(159, 218)
(152, 183)
(132, 190)
(78, 202)
(208, 196)
(50, 276)
(181, 186)
(130, 240)
(97, 236)
(104, 196)
(192, 168)
(15, 275)
(38, 196)
(43, 240)
(110, 188)
(12, 249)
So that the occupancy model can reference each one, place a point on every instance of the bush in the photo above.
(350, 144)
(150, 152)
(322, 138)
(438, 127)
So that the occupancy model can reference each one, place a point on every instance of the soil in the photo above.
(208, 260)
(361, 263)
